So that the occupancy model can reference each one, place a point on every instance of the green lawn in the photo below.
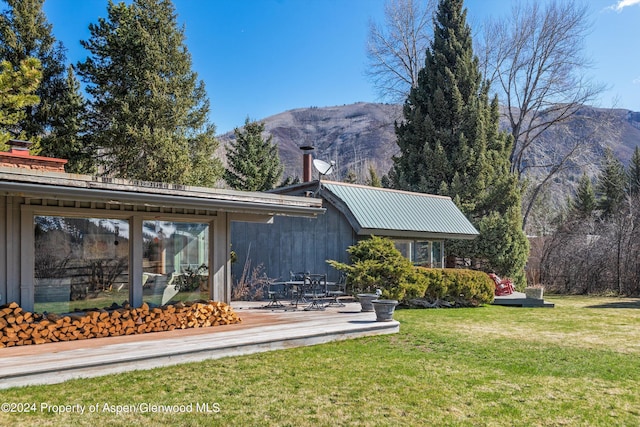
(577, 364)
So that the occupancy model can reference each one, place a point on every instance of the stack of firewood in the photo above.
(19, 327)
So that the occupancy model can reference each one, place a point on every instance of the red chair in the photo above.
(503, 286)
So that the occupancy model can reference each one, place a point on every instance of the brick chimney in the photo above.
(307, 169)
(18, 157)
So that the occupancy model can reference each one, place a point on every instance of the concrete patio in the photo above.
(262, 329)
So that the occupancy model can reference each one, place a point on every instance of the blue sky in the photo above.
(262, 57)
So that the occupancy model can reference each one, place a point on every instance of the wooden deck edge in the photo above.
(59, 372)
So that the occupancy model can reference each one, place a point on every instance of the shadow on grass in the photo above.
(617, 304)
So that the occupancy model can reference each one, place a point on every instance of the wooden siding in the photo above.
(292, 244)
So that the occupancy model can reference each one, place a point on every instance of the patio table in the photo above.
(299, 291)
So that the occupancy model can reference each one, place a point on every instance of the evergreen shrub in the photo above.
(474, 287)
(376, 264)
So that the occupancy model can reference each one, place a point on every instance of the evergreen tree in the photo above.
(386, 181)
(633, 173)
(611, 185)
(584, 202)
(149, 111)
(17, 88)
(25, 33)
(253, 163)
(68, 130)
(289, 180)
(450, 144)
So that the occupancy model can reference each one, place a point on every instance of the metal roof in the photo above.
(385, 212)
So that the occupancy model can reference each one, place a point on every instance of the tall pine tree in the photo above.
(450, 144)
(149, 111)
(254, 163)
(633, 173)
(26, 33)
(584, 202)
(69, 129)
(17, 88)
(611, 183)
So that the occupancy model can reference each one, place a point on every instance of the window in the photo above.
(83, 263)
(424, 253)
(175, 262)
(404, 246)
(437, 255)
(80, 263)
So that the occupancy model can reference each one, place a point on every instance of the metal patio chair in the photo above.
(337, 290)
(315, 289)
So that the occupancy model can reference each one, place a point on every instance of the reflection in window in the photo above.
(404, 246)
(175, 262)
(436, 255)
(423, 253)
(80, 263)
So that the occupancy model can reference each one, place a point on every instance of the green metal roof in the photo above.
(385, 212)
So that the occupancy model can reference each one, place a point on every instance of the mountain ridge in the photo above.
(357, 136)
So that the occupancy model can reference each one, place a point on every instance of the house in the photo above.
(418, 223)
(74, 241)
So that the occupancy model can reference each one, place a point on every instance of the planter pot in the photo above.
(534, 293)
(365, 301)
(384, 309)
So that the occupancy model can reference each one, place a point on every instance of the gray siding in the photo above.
(293, 244)
(10, 239)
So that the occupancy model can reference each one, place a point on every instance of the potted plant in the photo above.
(534, 291)
(366, 301)
(377, 269)
(384, 309)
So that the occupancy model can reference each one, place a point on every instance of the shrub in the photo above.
(474, 287)
(377, 264)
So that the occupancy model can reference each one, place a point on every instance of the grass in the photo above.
(576, 364)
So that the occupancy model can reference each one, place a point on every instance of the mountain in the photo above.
(356, 136)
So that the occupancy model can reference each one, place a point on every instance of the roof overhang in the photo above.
(409, 234)
(115, 191)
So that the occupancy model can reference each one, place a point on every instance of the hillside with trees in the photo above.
(595, 244)
(362, 134)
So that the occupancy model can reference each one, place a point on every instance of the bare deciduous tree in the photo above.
(535, 60)
(594, 254)
(396, 50)
(564, 150)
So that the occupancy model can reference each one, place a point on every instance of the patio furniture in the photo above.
(315, 288)
(295, 284)
(276, 291)
(336, 290)
(503, 286)
(171, 289)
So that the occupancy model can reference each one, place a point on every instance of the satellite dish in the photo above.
(323, 167)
